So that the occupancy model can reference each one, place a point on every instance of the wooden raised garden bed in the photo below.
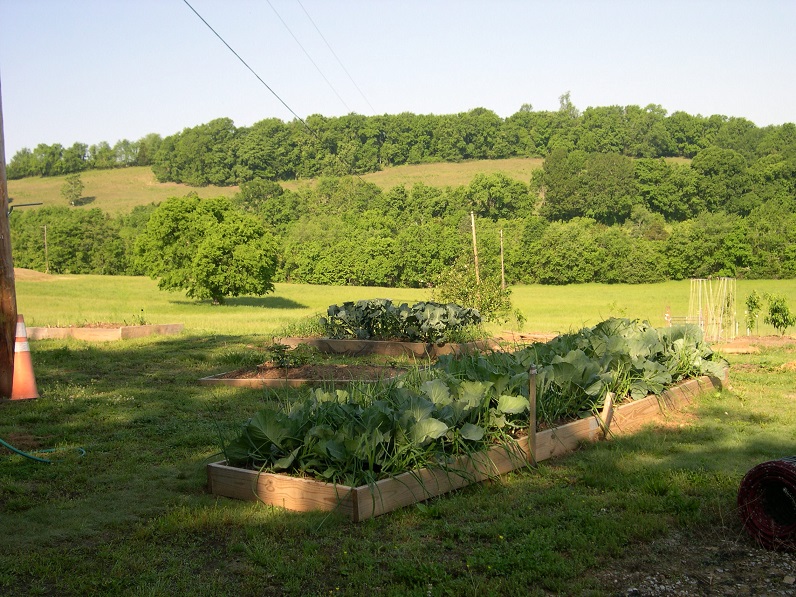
(361, 503)
(293, 377)
(387, 347)
(103, 334)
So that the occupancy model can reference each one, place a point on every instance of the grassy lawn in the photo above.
(76, 300)
(113, 191)
(119, 191)
(132, 515)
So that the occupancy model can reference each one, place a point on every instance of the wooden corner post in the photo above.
(8, 297)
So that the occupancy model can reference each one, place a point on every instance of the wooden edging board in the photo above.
(255, 382)
(386, 347)
(368, 501)
(104, 334)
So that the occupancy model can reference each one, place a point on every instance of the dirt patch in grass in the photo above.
(20, 273)
(701, 564)
(22, 441)
(317, 372)
(747, 344)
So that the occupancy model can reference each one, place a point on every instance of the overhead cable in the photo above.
(350, 78)
(307, 54)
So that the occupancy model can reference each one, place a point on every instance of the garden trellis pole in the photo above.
(8, 297)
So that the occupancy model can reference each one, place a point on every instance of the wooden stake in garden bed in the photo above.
(532, 414)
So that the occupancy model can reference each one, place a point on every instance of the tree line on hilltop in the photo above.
(219, 153)
(607, 206)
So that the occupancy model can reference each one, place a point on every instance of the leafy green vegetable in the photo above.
(467, 403)
(379, 319)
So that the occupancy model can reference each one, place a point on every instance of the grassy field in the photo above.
(132, 515)
(113, 191)
(47, 300)
(119, 191)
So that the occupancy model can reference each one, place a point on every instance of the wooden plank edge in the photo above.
(103, 334)
(292, 493)
(254, 382)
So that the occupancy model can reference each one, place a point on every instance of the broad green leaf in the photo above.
(286, 461)
(472, 392)
(438, 391)
(236, 452)
(336, 449)
(267, 426)
(512, 405)
(472, 432)
(428, 429)
(595, 388)
(419, 408)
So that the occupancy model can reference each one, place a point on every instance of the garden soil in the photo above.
(317, 372)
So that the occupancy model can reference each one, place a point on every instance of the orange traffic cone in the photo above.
(24, 384)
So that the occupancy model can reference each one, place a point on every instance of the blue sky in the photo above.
(90, 71)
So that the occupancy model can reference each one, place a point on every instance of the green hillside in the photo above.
(119, 191)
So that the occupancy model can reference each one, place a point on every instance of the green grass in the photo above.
(133, 517)
(75, 300)
(119, 191)
(113, 191)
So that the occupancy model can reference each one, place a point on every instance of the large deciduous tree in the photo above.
(208, 248)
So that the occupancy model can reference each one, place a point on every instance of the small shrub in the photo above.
(779, 314)
(283, 357)
(754, 304)
(458, 285)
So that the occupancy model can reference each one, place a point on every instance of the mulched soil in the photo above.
(317, 372)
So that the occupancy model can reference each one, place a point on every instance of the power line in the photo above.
(238, 56)
(336, 57)
(307, 54)
(299, 118)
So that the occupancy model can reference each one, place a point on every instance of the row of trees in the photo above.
(347, 232)
(220, 153)
(607, 186)
(57, 160)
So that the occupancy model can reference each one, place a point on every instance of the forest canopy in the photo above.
(625, 194)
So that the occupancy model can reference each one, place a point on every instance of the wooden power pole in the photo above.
(475, 250)
(8, 296)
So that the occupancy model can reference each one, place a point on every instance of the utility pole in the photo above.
(46, 254)
(502, 264)
(475, 250)
(8, 295)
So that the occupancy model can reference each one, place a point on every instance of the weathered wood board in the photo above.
(360, 503)
(104, 334)
(386, 347)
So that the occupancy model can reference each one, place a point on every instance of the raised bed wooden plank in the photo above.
(225, 379)
(293, 493)
(219, 380)
(412, 487)
(386, 347)
(104, 334)
(364, 502)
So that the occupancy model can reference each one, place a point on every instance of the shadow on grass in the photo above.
(266, 302)
(148, 428)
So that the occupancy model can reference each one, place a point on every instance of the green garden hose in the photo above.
(36, 458)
